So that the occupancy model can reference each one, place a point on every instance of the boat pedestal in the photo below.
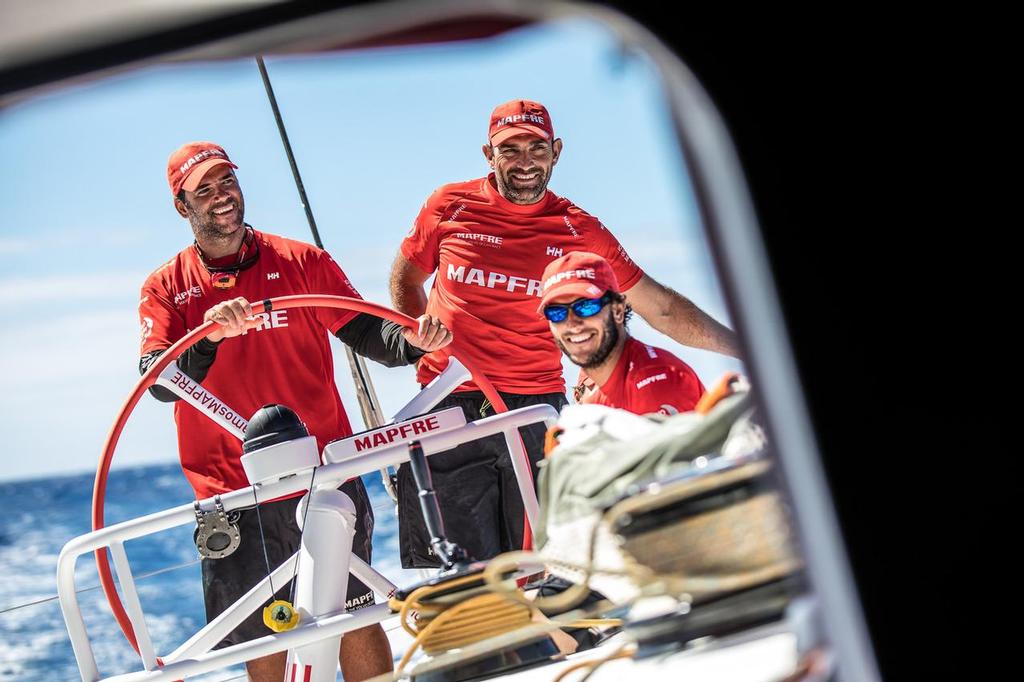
(326, 542)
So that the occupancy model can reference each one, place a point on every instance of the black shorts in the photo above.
(476, 487)
(226, 580)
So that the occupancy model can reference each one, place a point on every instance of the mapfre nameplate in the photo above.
(392, 434)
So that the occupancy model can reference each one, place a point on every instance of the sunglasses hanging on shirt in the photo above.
(226, 276)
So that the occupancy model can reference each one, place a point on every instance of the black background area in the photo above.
(892, 292)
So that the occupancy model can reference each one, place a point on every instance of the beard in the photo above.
(523, 195)
(597, 358)
(209, 230)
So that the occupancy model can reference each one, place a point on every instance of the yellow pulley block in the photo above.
(280, 616)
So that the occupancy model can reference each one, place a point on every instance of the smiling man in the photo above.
(489, 241)
(285, 358)
(588, 318)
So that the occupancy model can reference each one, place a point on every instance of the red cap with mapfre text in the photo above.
(577, 274)
(518, 117)
(191, 161)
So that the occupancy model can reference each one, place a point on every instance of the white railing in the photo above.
(195, 655)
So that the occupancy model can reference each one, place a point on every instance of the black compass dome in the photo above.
(270, 425)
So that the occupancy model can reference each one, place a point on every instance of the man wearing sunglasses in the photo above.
(588, 317)
(489, 241)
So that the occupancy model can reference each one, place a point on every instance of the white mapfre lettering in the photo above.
(625, 256)
(402, 432)
(587, 273)
(456, 212)
(359, 601)
(651, 380)
(520, 118)
(205, 154)
(474, 237)
(272, 320)
(188, 294)
(569, 224)
(493, 280)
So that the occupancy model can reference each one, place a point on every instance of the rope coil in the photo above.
(438, 627)
(473, 608)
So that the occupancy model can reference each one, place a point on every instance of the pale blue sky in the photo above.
(87, 212)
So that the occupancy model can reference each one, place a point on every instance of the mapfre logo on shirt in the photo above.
(493, 280)
(477, 239)
(457, 212)
(275, 319)
(624, 255)
(183, 297)
(572, 228)
(651, 379)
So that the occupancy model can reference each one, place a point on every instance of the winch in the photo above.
(725, 534)
(680, 519)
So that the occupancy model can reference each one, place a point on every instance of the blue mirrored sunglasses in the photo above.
(583, 307)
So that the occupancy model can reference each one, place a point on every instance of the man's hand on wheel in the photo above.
(429, 335)
(234, 316)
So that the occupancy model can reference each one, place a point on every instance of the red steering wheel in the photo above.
(172, 353)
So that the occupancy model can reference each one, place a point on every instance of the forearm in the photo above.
(676, 316)
(195, 362)
(409, 299)
(679, 318)
(406, 285)
(380, 340)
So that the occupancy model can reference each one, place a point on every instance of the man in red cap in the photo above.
(489, 241)
(588, 318)
(285, 358)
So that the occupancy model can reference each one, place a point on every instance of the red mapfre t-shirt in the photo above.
(645, 380)
(287, 360)
(489, 255)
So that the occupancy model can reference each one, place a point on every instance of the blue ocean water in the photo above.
(43, 514)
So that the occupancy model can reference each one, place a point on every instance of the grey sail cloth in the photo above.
(615, 451)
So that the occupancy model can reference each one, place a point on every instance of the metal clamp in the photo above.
(217, 533)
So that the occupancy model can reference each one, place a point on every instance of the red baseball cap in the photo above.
(579, 274)
(517, 117)
(191, 161)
